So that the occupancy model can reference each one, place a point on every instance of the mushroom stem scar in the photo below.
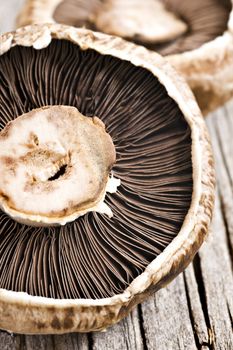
(55, 165)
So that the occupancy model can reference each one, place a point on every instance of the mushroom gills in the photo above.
(96, 256)
(203, 20)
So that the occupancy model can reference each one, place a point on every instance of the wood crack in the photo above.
(230, 315)
(141, 322)
(90, 341)
(229, 243)
(53, 342)
(202, 295)
(22, 342)
(198, 345)
(223, 158)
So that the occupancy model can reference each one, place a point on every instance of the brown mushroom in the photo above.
(203, 53)
(90, 273)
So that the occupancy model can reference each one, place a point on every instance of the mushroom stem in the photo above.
(148, 21)
(54, 165)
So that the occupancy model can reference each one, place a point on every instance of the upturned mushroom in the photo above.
(195, 36)
(70, 98)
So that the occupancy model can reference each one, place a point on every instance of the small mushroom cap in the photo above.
(149, 22)
(54, 165)
(207, 67)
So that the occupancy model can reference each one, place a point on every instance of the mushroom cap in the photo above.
(23, 313)
(207, 69)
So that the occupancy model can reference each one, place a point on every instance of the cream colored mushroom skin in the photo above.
(33, 149)
(132, 19)
(208, 70)
(22, 313)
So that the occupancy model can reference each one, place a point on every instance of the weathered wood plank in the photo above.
(9, 341)
(196, 312)
(215, 270)
(221, 128)
(217, 291)
(38, 342)
(71, 341)
(124, 335)
(166, 319)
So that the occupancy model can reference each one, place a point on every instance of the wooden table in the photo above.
(196, 310)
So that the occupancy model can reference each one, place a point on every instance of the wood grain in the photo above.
(196, 310)
(166, 318)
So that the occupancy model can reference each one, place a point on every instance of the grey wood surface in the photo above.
(196, 310)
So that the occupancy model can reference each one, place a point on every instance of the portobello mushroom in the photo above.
(88, 273)
(199, 45)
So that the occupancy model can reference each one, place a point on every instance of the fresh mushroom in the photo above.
(90, 273)
(200, 46)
